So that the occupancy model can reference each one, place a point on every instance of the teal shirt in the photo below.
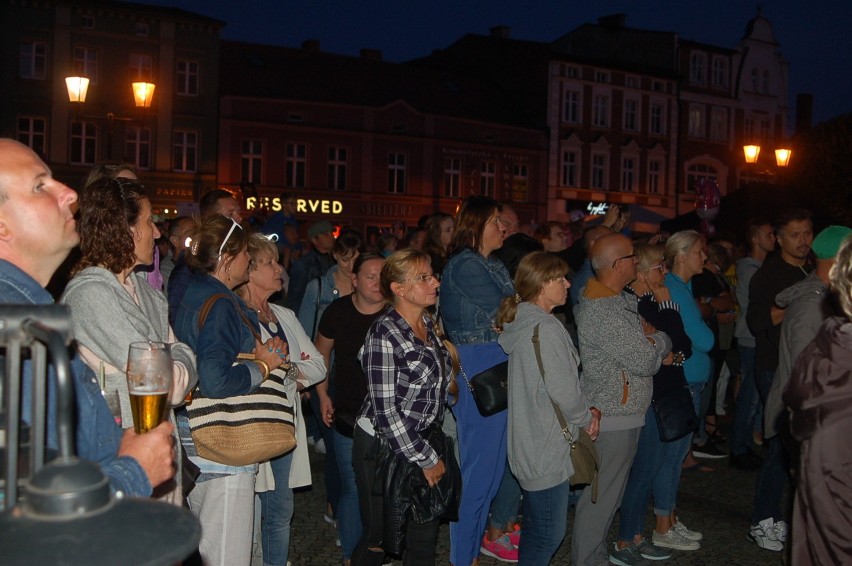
(698, 366)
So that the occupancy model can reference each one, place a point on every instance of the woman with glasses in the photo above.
(292, 469)
(473, 284)
(657, 465)
(112, 305)
(223, 498)
(407, 368)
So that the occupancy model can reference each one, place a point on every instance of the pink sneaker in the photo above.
(501, 549)
(515, 536)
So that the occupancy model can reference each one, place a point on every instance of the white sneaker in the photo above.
(763, 534)
(319, 447)
(681, 529)
(781, 529)
(674, 540)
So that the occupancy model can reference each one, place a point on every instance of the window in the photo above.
(296, 165)
(396, 173)
(658, 86)
(487, 178)
(601, 77)
(187, 77)
(520, 180)
(755, 80)
(765, 129)
(337, 162)
(719, 123)
(628, 174)
(33, 60)
(568, 71)
(654, 168)
(696, 121)
(631, 110)
(87, 22)
(84, 141)
(698, 68)
(251, 161)
(86, 63)
(599, 170)
(720, 72)
(137, 147)
(452, 177)
(698, 172)
(749, 130)
(600, 109)
(765, 82)
(185, 151)
(632, 81)
(142, 29)
(569, 168)
(657, 124)
(32, 132)
(571, 107)
(141, 67)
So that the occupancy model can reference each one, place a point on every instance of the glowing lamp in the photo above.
(751, 152)
(782, 157)
(143, 93)
(77, 88)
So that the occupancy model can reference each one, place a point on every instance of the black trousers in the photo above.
(420, 540)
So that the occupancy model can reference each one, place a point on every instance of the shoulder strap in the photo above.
(208, 304)
(559, 417)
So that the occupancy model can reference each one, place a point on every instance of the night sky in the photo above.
(814, 36)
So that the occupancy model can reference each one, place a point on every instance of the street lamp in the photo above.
(782, 155)
(143, 95)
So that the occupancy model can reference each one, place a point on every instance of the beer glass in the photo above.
(149, 380)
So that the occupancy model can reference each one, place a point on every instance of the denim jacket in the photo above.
(222, 337)
(471, 290)
(316, 300)
(97, 435)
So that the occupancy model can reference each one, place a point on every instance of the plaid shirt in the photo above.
(407, 385)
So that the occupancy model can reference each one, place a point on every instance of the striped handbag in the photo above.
(243, 429)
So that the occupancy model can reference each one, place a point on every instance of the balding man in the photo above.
(578, 283)
(509, 219)
(619, 355)
(37, 231)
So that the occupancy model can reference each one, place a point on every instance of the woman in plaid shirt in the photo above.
(407, 369)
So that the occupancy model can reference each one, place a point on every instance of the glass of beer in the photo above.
(149, 381)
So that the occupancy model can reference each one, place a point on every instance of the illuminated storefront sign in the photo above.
(302, 205)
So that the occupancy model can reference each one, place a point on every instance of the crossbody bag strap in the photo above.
(559, 417)
(208, 304)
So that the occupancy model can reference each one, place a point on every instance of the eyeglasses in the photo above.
(633, 256)
(424, 278)
(227, 237)
(661, 266)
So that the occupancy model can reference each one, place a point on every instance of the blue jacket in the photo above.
(698, 366)
(471, 290)
(97, 435)
(310, 313)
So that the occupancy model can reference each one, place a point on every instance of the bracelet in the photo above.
(264, 367)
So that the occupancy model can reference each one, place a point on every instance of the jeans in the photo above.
(771, 481)
(348, 513)
(545, 523)
(696, 390)
(504, 508)
(420, 540)
(276, 512)
(331, 474)
(746, 405)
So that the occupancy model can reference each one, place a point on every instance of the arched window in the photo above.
(697, 172)
(765, 82)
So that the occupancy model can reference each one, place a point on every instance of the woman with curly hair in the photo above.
(111, 304)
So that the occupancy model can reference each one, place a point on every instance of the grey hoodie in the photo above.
(807, 305)
(539, 455)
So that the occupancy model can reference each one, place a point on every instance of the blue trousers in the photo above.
(482, 447)
(747, 404)
(276, 511)
(545, 523)
(348, 511)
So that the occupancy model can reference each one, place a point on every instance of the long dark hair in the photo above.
(471, 219)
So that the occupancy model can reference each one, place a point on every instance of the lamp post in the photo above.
(143, 95)
(751, 155)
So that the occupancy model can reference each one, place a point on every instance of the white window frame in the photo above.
(632, 118)
(697, 127)
(32, 60)
(137, 146)
(487, 177)
(185, 144)
(296, 165)
(86, 61)
(251, 161)
(86, 142)
(452, 177)
(338, 166)
(570, 167)
(629, 172)
(698, 67)
(599, 178)
(697, 171)
(572, 106)
(601, 105)
(141, 66)
(30, 136)
(719, 71)
(656, 179)
(397, 172)
(187, 77)
(657, 124)
(719, 123)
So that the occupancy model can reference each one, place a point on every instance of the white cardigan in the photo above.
(311, 371)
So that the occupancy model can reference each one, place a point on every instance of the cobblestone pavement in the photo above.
(716, 503)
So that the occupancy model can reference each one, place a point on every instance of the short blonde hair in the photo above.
(680, 243)
(841, 276)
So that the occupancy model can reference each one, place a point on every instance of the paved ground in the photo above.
(717, 504)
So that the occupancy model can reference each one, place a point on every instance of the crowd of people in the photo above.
(595, 332)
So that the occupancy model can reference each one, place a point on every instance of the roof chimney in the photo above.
(312, 45)
(613, 21)
(371, 54)
(500, 31)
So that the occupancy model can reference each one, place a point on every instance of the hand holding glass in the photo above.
(149, 381)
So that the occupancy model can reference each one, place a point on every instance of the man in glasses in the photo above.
(37, 231)
(619, 360)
